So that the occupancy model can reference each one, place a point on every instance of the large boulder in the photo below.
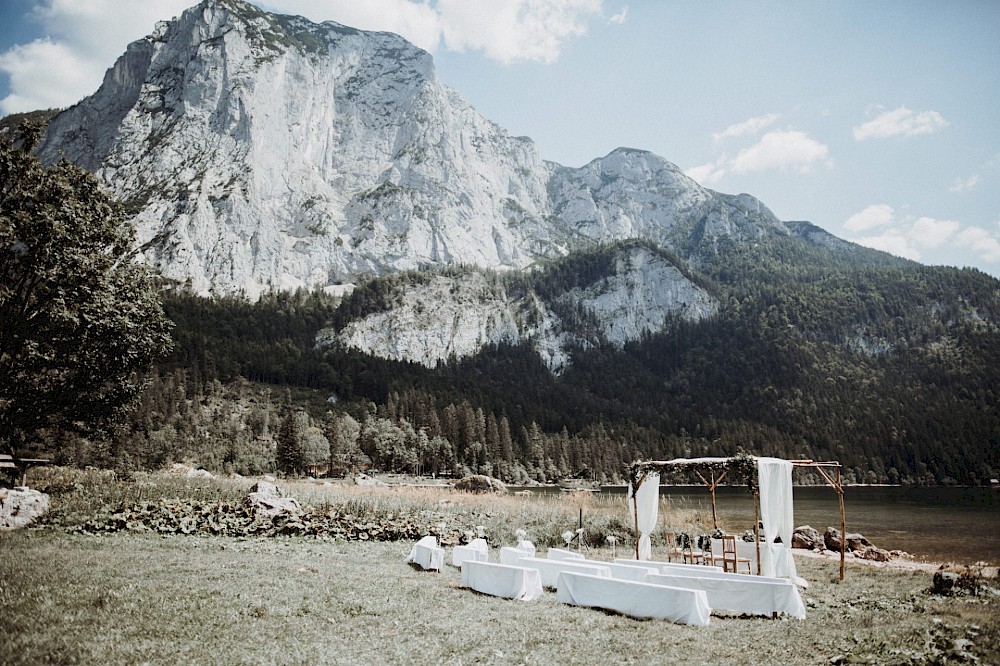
(858, 542)
(479, 483)
(20, 506)
(366, 481)
(807, 537)
(875, 554)
(831, 539)
(266, 500)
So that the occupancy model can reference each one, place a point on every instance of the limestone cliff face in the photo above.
(458, 316)
(264, 151)
(260, 151)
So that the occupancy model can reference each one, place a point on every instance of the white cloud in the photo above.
(620, 17)
(893, 241)
(777, 150)
(85, 37)
(751, 126)
(962, 185)
(707, 174)
(876, 215)
(37, 84)
(781, 149)
(981, 242)
(913, 238)
(514, 30)
(900, 122)
(930, 233)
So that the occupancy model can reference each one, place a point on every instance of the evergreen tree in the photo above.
(290, 459)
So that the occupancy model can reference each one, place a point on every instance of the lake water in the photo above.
(933, 524)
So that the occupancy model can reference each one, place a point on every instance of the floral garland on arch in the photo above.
(741, 468)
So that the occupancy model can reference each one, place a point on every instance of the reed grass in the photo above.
(79, 496)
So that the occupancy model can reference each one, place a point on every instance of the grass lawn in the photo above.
(135, 598)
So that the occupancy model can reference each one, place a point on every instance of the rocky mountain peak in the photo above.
(257, 151)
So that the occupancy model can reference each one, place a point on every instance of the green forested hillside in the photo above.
(890, 367)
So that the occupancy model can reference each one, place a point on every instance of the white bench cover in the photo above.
(641, 600)
(694, 569)
(550, 569)
(741, 593)
(560, 554)
(478, 550)
(502, 580)
(427, 554)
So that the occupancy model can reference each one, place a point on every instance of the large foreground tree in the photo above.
(80, 320)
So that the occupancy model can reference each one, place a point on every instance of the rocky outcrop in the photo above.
(831, 538)
(808, 538)
(21, 506)
(266, 500)
(458, 314)
(479, 483)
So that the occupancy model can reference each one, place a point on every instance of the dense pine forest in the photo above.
(890, 367)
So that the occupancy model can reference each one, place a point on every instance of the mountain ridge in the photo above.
(260, 151)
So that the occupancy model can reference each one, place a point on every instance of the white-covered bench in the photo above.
(502, 580)
(478, 551)
(694, 569)
(550, 569)
(427, 554)
(635, 599)
(741, 593)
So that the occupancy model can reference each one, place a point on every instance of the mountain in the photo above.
(259, 151)
(458, 279)
(455, 314)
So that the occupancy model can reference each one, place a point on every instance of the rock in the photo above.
(20, 506)
(954, 579)
(831, 538)
(199, 473)
(479, 483)
(266, 500)
(369, 481)
(945, 582)
(807, 537)
(266, 488)
(858, 542)
(875, 554)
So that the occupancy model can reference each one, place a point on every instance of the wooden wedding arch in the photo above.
(742, 469)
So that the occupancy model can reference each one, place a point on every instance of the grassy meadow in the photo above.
(140, 597)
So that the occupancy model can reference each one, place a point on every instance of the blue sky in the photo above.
(874, 120)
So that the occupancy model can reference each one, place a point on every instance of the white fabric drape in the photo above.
(646, 507)
(775, 478)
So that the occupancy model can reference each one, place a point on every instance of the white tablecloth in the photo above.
(560, 554)
(502, 580)
(741, 593)
(427, 554)
(478, 551)
(634, 599)
(634, 570)
(695, 569)
(550, 569)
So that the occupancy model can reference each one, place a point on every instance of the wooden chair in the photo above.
(730, 560)
(673, 550)
(686, 552)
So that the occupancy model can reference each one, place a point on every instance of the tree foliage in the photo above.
(79, 319)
